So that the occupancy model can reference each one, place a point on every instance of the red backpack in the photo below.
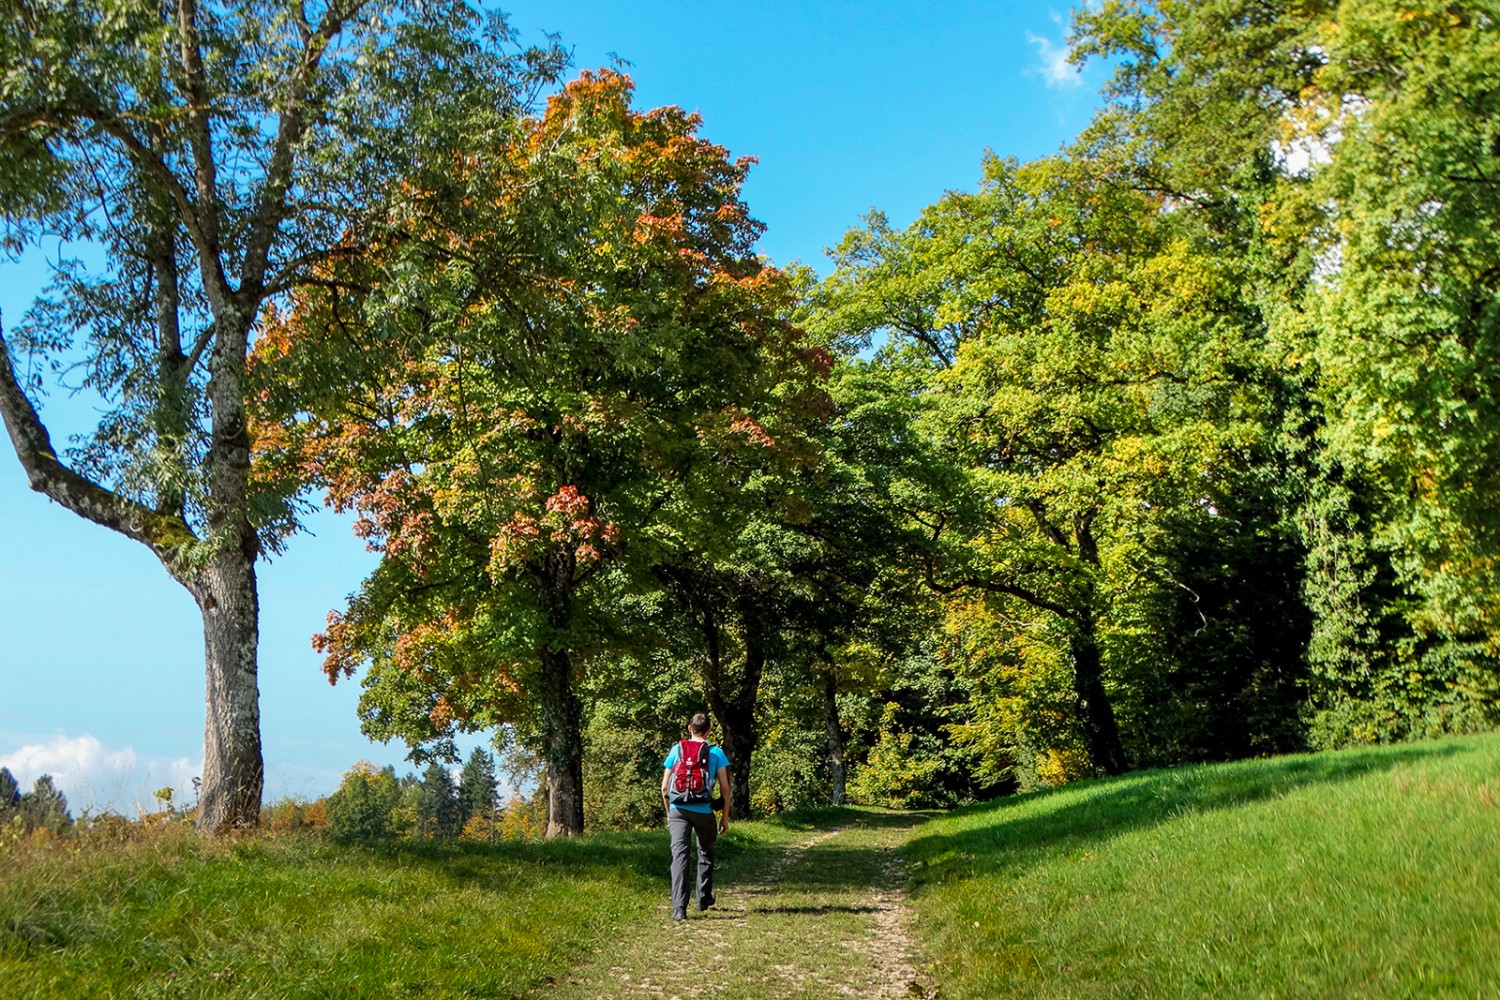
(692, 778)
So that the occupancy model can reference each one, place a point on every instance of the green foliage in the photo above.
(10, 795)
(478, 787)
(1345, 147)
(437, 810)
(360, 811)
(904, 769)
(622, 770)
(789, 770)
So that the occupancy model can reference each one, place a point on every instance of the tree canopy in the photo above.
(1176, 445)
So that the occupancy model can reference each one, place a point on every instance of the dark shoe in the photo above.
(704, 904)
(679, 914)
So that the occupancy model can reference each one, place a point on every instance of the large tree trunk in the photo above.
(225, 589)
(1095, 715)
(735, 710)
(233, 769)
(837, 770)
(562, 714)
(562, 748)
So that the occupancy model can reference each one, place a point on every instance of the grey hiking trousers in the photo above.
(682, 825)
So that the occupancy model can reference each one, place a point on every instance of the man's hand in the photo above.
(724, 820)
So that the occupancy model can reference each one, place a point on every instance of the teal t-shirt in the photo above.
(716, 759)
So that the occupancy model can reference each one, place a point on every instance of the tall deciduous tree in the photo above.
(1078, 344)
(218, 155)
(571, 349)
(1352, 146)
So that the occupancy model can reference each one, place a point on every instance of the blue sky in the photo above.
(848, 106)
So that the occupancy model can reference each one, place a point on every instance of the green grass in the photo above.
(1369, 873)
(1365, 873)
(298, 916)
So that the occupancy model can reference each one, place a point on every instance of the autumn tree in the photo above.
(542, 368)
(216, 156)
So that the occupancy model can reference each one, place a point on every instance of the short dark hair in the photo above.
(699, 724)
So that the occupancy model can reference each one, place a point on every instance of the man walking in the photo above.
(690, 772)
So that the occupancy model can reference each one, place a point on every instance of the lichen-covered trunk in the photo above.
(225, 589)
(233, 769)
(561, 711)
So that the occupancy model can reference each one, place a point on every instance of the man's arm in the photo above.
(666, 778)
(724, 791)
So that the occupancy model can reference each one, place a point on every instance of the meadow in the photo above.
(1368, 872)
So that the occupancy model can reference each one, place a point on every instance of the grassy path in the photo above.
(815, 910)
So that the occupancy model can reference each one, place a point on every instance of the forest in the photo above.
(1177, 446)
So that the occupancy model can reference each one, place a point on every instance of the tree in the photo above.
(45, 807)
(1079, 349)
(572, 341)
(478, 788)
(10, 796)
(360, 810)
(1407, 343)
(1351, 144)
(437, 804)
(218, 156)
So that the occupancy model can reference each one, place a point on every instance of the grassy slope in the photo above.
(300, 917)
(1367, 873)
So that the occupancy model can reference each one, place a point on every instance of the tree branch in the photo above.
(271, 206)
(205, 170)
(166, 536)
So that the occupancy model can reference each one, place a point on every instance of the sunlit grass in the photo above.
(1365, 873)
(297, 916)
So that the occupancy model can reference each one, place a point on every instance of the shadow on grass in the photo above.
(816, 911)
(834, 865)
(640, 854)
(1107, 807)
(644, 854)
(831, 817)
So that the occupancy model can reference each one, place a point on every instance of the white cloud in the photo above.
(95, 777)
(1055, 69)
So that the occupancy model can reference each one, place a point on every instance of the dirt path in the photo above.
(816, 913)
